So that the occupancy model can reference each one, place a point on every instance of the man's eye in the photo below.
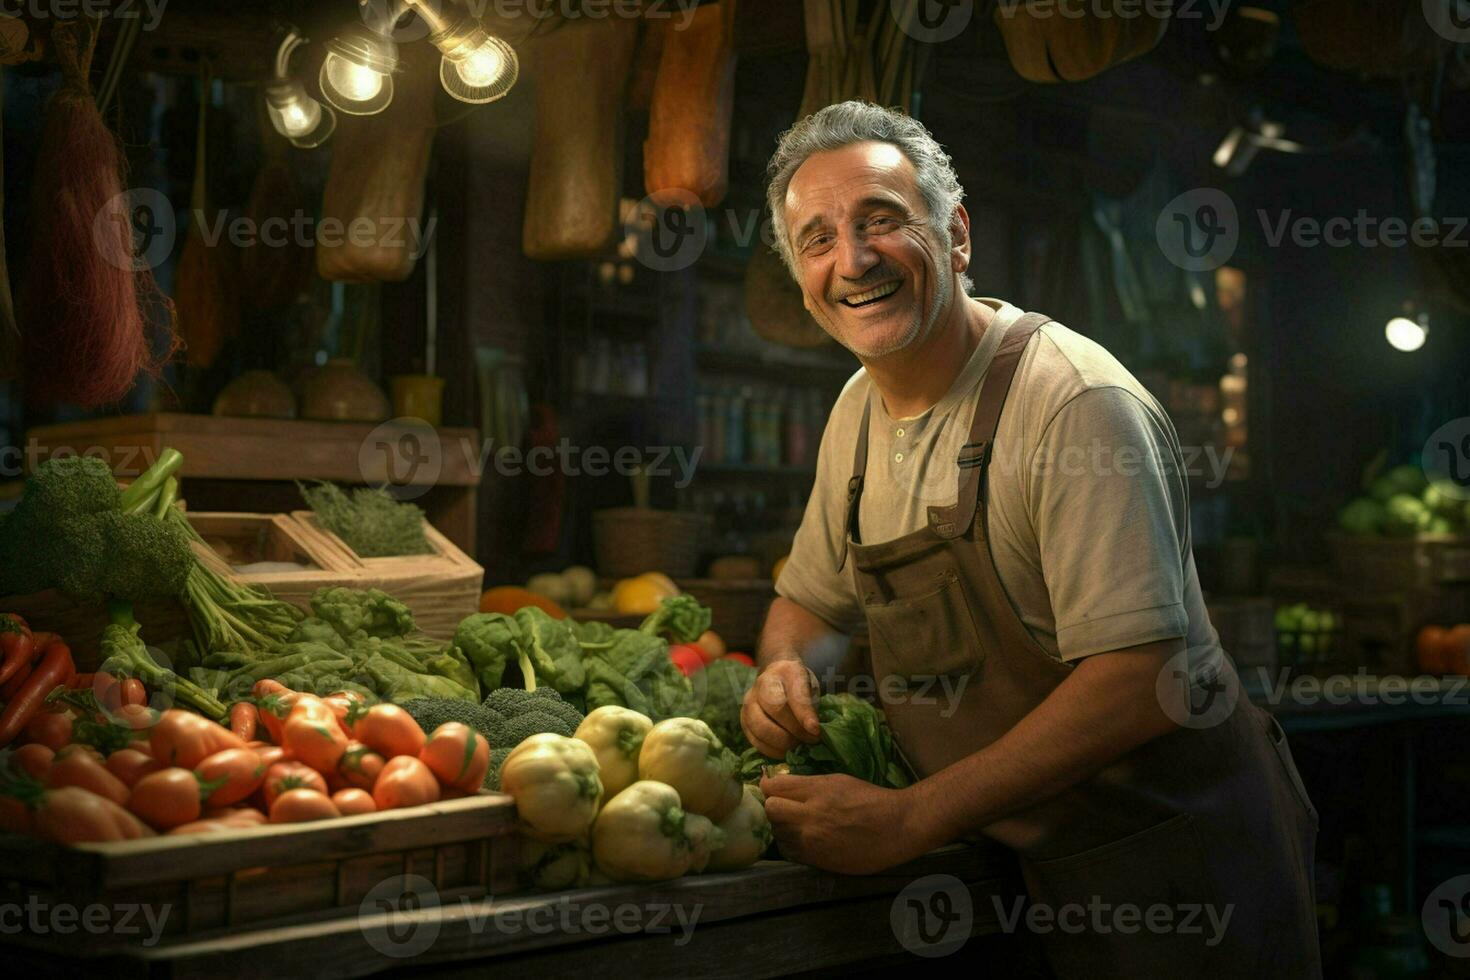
(817, 243)
(879, 224)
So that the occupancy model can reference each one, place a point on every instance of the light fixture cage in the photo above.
(367, 52)
(282, 97)
(464, 42)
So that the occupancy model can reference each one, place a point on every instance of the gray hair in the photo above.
(844, 124)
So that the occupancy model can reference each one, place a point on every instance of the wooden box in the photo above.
(203, 885)
(441, 589)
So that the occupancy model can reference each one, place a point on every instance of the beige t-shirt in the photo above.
(1088, 495)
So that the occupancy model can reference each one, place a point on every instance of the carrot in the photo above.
(244, 719)
(17, 645)
(82, 682)
(16, 682)
(54, 668)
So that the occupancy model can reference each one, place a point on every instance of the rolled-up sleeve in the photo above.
(1109, 503)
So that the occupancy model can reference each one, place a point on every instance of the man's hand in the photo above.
(840, 823)
(780, 709)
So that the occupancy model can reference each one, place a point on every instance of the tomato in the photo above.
(244, 720)
(269, 685)
(182, 738)
(301, 805)
(242, 816)
(271, 754)
(457, 755)
(710, 643)
(81, 769)
(312, 735)
(167, 798)
(71, 815)
(78, 748)
(139, 717)
(388, 729)
(239, 772)
(1454, 650)
(49, 728)
(360, 766)
(688, 658)
(285, 776)
(274, 707)
(353, 801)
(405, 781)
(130, 765)
(342, 703)
(33, 759)
(1427, 648)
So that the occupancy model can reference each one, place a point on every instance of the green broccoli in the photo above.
(492, 775)
(430, 713)
(371, 612)
(125, 655)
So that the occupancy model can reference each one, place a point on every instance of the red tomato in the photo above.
(360, 766)
(388, 730)
(238, 773)
(457, 755)
(301, 805)
(274, 708)
(688, 658)
(405, 781)
(33, 759)
(353, 801)
(184, 739)
(167, 798)
(82, 770)
(312, 735)
(285, 776)
(72, 815)
(130, 765)
(50, 728)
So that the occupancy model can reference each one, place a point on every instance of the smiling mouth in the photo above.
(872, 296)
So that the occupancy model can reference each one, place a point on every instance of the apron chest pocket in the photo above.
(931, 634)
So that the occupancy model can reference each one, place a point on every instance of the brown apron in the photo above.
(1202, 819)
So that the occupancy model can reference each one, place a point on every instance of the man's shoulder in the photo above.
(1060, 364)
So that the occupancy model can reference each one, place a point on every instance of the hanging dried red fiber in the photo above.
(84, 334)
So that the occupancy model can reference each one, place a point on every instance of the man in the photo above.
(1005, 508)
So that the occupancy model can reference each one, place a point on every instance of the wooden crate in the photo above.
(1396, 564)
(441, 589)
(258, 537)
(205, 885)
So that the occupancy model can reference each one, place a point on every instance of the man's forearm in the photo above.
(792, 632)
(1106, 707)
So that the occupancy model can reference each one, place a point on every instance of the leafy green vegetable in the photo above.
(723, 685)
(545, 650)
(371, 522)
(681, 617)
(552, 648)
(636, 672)
(369, 612)
(855, 741)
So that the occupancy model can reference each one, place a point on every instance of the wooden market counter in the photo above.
(776, 917)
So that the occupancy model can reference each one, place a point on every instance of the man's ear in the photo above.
(959, 234)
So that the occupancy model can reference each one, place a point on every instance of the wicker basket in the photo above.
(632, 540)
(737, 606)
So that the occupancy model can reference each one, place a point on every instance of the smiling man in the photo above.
(1003, 507)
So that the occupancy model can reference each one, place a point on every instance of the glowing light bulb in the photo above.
(298, 119)
(1405, 334)
(482, 67)
(354, 82)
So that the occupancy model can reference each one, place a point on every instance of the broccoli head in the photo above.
(520, 714)
(69, 486)
(497, 761)
(371, 612)
(430, 713)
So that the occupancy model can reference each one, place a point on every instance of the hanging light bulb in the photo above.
(357, 73)
(294, 114)
(476, 67)
(1405, 334)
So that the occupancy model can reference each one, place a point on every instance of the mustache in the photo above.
(871, 278)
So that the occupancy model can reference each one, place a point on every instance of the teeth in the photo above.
(872, 294)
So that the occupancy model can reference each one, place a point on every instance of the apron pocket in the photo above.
(1142, 906)
(927, 635)
(1277, 735)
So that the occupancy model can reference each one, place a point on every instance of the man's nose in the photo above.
(854, 255)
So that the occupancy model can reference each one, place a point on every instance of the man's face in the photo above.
(873, 270)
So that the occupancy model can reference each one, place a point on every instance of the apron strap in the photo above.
(951, 522)
(855, 484)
